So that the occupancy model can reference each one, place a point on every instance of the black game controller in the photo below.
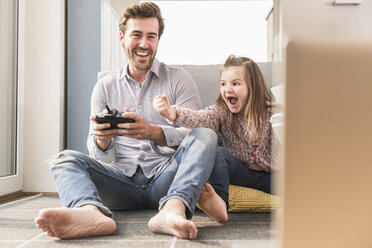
(113, 117)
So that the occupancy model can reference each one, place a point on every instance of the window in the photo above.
(8, 85)
(207, 32)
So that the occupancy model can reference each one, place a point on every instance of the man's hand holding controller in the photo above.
(162, 105)
(107, 126)
(128, 124)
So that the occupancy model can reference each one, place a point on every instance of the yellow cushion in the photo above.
(243, 199)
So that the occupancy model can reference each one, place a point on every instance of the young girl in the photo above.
(242, 116)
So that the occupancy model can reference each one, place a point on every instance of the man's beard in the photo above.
(135, 59)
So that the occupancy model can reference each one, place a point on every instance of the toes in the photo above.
(192, 235)
(45, 229)
(39, 221)
(193, 231)
(208, 187)
(51, 234)
(185, 229)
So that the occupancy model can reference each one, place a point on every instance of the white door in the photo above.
(10, 173)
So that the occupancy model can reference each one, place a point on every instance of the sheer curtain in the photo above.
(112, 53)
(8, 86)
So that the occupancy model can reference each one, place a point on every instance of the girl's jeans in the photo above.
(83, 180)
(226, 164)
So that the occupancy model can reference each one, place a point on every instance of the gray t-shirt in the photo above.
(118, 90)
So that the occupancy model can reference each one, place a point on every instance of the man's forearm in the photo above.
(157, 135)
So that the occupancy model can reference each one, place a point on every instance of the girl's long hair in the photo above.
(259, 98)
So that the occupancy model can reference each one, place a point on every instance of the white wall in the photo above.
(120, 5)
(41, 102)
(41, 89)
(316, 20)
(319, 19)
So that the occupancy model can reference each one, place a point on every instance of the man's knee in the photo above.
(62, 158)
(205, 134)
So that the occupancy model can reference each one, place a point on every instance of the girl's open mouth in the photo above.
(232, 100)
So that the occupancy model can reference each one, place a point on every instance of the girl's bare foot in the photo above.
(212, 204)
(172, 220)
(79, 222)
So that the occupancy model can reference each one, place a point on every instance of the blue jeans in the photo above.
(83, 180)
(230, 170)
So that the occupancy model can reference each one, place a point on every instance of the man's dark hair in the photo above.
(142, 10)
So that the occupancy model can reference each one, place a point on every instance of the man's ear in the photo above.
(121, 36)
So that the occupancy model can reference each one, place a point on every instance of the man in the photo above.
(148, 171)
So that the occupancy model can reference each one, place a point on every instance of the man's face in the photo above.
(140, 42)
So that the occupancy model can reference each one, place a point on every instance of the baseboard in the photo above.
(19, 195)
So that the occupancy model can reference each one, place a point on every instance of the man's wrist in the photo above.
(157, 135)
(103, 145)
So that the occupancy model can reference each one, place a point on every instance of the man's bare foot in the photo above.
(172, 220)
(79, 222)
(212, 204)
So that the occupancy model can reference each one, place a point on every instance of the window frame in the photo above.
(14, 183)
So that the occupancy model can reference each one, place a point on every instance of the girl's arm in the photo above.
(209, 117)
(162, 106)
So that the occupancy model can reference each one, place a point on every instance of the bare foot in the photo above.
(79, 222)
(172, 220)
(212, 204)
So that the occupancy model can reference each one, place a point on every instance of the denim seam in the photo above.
(166, 164)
